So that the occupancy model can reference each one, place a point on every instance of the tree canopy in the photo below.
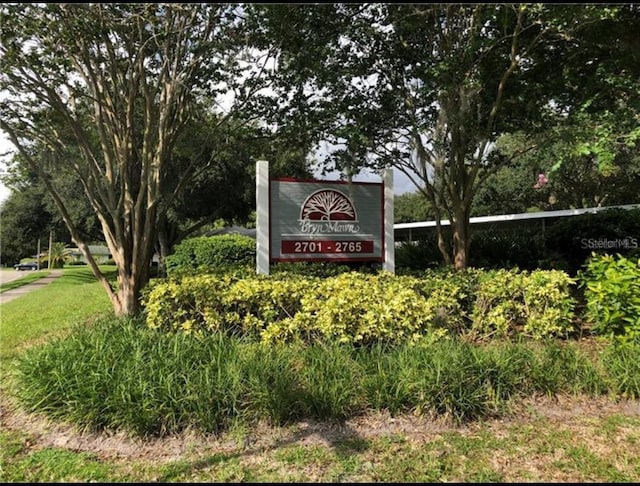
(146, 105)
(122, 81)
(430, 88)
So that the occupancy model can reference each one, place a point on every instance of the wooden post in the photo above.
(50, 244)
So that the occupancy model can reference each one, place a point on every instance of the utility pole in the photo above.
(38, 255)
(50, 243)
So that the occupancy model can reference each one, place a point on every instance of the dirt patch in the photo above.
(571, 412)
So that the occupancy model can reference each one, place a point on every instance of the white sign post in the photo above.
(389, 238)
(262, 217)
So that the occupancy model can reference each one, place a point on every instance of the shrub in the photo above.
(418, 254)
(454, 295)
(612, 294)
(253, 304)
(352, 307)
(537, 304)
(192, 304)
(522, 248)
(361, 309)
(311, 269)
(204, 254)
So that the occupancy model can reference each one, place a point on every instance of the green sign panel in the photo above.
(326, 221)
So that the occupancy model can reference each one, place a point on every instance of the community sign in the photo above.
(312, 220)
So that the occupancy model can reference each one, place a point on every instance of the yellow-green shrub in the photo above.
(361, 309)
(454, 293)
(536, 304)
(254, 303)
(192, 304)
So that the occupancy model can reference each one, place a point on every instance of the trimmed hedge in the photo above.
(362, 309)
(211, 253)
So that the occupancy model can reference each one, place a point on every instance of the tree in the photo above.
(26, 189)
(123, 80)
(429, 89)
(56, 255)
(410, 207)
(228, 160)
(24, 220)
(558, 176)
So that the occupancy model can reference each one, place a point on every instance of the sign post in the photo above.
(262, 217)
(389, 236)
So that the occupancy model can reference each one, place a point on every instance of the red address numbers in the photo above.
(327, 246)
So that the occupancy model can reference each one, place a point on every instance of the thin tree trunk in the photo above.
(460, 226)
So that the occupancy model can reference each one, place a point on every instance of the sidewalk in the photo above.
(12, 294)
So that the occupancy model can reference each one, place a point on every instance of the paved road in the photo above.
(10, 295)
(9, 275)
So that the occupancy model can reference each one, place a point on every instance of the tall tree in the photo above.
(410, 207)
(24, 220)
(123, 80)
(224, 186)
(428, 88)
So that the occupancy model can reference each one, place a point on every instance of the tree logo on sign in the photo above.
(328, 205)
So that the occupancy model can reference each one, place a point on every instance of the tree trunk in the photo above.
(127, 296)
(442, 245)
(164, 249)
(460, 226)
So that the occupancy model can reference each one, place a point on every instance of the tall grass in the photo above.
(119, 375)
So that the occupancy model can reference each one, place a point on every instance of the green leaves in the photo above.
(612, 293)
(362, 309)
(535, 304)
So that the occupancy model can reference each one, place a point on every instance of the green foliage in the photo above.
(190, 304)
(24, 221)
(418, 254)
(535, 304)
(563, 365)
(410, 207)
(118, 375)
(311, 269)
(362, 309)
(574, 239)
(256, 304)
(621, 360)
(612, 293)
(57, 255)
(211, 253)
(523, 248)
(558, 244)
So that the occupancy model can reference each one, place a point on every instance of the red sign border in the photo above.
(340, 259)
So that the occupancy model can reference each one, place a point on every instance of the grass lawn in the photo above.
(544, 439)
(72, 298)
